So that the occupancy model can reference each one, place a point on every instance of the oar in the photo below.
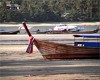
(25, 26)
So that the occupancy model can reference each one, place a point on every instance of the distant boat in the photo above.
(80, 50)
(10, 32)
(22, 28)
(68, 32)
(65, 27)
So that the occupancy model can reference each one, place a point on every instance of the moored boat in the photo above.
(51, 50)
(66, 27)
(10, 32)
(68, 31)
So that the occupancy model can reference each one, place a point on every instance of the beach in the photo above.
(16, 64)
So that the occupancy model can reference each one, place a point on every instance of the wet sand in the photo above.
(16, 64)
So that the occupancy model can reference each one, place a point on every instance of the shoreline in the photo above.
(50, 24)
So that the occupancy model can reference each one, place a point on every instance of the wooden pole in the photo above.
(25, 26)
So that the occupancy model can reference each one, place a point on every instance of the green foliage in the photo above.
(51, 10)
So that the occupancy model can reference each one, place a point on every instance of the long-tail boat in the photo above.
(69, 32)
(51, 50)
(10, 32)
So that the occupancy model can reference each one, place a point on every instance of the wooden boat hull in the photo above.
(69, 32)
(10, 32)
(50, 50)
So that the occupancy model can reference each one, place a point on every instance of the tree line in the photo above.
(50, 10)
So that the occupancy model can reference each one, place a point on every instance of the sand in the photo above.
(50, 24)
(16, 64)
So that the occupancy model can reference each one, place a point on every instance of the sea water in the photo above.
(41, 28)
